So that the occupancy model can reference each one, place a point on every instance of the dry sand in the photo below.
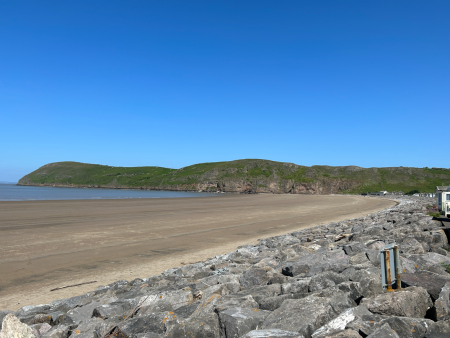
(50, 244)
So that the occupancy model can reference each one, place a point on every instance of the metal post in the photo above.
(390, 267)
(397, 270)
(388, 271)
(383, 270)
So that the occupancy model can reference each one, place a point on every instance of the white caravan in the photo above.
(444, 201)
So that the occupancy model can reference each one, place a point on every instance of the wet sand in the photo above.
(50, 244)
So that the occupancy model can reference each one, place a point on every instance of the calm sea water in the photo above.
(11, 192)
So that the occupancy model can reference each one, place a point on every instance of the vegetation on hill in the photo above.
(249, 175)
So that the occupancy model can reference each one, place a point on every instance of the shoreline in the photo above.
(208, 239)
(87, 186)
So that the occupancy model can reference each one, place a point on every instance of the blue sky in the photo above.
(173, 83)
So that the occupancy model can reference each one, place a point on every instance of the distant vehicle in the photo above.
(378, 193)
(443, 200)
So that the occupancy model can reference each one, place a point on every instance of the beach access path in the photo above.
(51, 244)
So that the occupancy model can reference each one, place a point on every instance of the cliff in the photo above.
(243, 176)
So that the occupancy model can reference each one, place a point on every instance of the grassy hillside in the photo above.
(249, 175)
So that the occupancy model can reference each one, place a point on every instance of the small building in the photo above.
(443, 194)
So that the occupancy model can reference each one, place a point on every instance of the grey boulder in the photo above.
(440, 329)
(199, 327)
(304, 315)
(340, 322)
(442, 304)
(236, 322)
(430, 281)
(59, 331)
(87, 328)
(409, 302)
(407, 327)
(370, 281)
(345, 334)
(273, 333)
(154, 323)
(325, 280)
(384, 331)
(252, 277)
(79, 314)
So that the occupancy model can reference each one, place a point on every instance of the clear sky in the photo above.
(173, 83)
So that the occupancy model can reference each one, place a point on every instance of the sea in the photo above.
(13, 192)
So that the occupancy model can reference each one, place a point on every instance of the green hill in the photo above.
(248, 176)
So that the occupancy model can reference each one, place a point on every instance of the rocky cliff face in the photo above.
(323, 186)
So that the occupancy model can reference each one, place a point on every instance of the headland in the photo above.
(242, 176)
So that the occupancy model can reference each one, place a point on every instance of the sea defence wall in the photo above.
(319, 282)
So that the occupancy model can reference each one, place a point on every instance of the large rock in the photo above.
(442, 304)
(148, 335)
(79, 314)
(65, 305)
(165, 301)
(3, 315)
(209, 281)
(201, 327)
(430, 281)
(207, 306)
(154, 323)
(345, 334)
(221, 289)
(360, 259)
(115, 309)
(253, 277)
(370, 281)
(260, 292)
(335, 260)
(354, 248)
(407, 327)
(384, 331)
(340, 323)
(273, 333)
(304, 315)
(440, 329)
(41, 328)
(273, 303)
(430, 261)
(32, 310)
(299, 286)
(12, 327)
(187, 310)
(373, 256)
(241, 302)
(409, 302)
(353, 289)
(325, 280)
(410, 246)
(59, 331)
(236, 322)
(87, 328)
(366, 324)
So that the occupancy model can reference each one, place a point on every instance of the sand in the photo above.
(50, 244)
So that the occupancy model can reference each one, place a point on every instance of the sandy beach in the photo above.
(49, 244)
